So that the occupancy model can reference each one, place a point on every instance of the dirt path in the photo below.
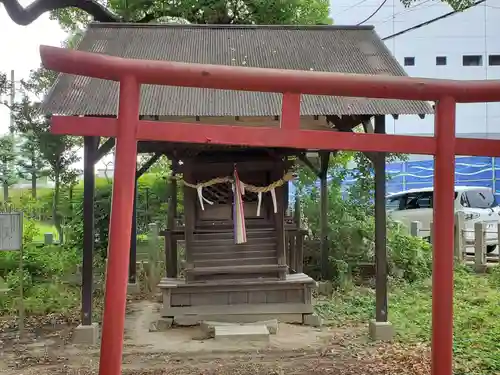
(295, 350)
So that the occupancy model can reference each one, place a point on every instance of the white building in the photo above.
(458, 46)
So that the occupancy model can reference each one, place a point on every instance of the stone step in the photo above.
(232, 261)
(208, 327)
(251, 334)
(254, 252)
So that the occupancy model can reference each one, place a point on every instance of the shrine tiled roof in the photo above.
(344, 49)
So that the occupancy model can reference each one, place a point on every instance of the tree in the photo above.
(26, 122)
(31, 163)
(161, 167)
(351, 222)
(60, 152)
(40, 81)
(4, 83)
(40, 147)
(455, 4)
(75, 14)
(8, 157)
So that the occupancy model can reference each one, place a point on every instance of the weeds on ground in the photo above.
(476, 323)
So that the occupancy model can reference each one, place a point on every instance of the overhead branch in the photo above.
(147, 18)
(346, 124)
(25, 16)
(148, 164)
(104, 148)
(368, 128)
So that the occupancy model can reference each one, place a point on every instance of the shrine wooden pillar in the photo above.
(92, 153)
(171, 246)
(190, 197)
(90, 145)
(132, 267)
(379, 158)
(279, 216)
(323, 222)
(299, 258)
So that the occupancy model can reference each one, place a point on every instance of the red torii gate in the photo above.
(128, 129)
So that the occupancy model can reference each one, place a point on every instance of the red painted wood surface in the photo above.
(267, 80)
(120, 229)
(270, 137)
(290, 112)
(443, 237)
(128, 129)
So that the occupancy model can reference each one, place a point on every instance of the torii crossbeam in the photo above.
(128, 129)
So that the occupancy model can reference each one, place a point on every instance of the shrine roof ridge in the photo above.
(326, 48)
(100, 25)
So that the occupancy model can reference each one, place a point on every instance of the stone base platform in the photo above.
(238, 301)
(133, 289)
(86, 335)
(381, 331)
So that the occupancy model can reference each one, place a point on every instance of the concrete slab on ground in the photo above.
(233, 333)
(208, 327)
(192, 339)
(193, 320)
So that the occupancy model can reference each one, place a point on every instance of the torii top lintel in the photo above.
(266, 80)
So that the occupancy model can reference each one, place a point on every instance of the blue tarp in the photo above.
(414, 174)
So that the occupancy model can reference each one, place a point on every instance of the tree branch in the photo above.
(25, 16)
(148, 164)
(147, 18)
(303, 158)
(104, 149)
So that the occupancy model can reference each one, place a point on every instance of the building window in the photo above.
(441, 60)
(409, 61)
(494, 60)
(472, 60)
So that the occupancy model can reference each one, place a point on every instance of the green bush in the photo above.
(41, 262)
(151, 207)
(38, 260)
(351, 226)
(476, 324)
(409, 257)
(51, 297)
(45, 268)
(37, 209)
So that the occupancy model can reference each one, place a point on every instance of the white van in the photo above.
(477, 203)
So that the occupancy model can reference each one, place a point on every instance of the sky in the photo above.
(19, 50)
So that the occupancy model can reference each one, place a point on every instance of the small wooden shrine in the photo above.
(241, 256)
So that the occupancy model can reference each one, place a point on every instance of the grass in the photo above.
(4, 288)
(17, 193)
(476, 322)
(44, 228)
